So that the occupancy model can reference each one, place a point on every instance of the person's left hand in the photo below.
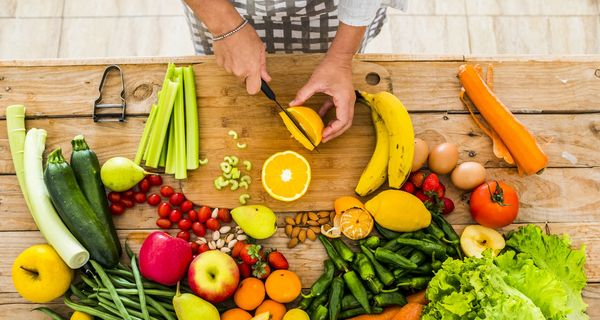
(333, 77)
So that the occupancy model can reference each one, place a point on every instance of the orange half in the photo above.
(356, 223)
(286, 176)
(310, 122)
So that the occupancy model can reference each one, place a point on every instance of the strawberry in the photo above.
(237, 248)
(245, 270)
(250, 253)
(408, 187)
(441, 191)
(448, 206)
(417, 178)
(203, 248)
(277, 260)
(422, 196)
(431, 183)
(261, 270)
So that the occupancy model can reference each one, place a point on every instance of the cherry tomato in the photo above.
(185, 235)
(186, 206)
(128, 203)
(164, 210)
(204, 214)
(192, 215)
(213, 224)
(223, 215)
(194, 247)
(163, 223)
(127, 194)
(175, 215)
(198, 229)
(139, 197)
(166, 191)
(155, 180)
(144, 185)
(494, 204)
(117, 209)
(203, 248)
(177, 199)
(185, 224)
(114, 197)
(153, 199)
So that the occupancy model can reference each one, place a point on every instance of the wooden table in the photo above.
(557, 99)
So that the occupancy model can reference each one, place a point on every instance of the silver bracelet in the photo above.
(227, 34)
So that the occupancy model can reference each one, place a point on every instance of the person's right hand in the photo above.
(243, 54)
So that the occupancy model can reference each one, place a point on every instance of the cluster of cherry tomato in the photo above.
(121, 201)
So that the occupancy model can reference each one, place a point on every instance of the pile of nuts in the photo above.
(223, 239)
(306, 225)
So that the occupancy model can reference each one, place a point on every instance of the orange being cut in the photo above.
(286, 176)
(309, 120)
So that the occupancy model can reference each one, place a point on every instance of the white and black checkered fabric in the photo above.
(286, 26)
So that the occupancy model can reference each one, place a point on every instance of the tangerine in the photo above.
(283, 286)
(250, 294)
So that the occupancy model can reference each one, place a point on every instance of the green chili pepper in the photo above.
(358, 311)
(305, 303)
(392, 245)
(350, 302)
(383, 274)
(317, 301)
(371, 242)
(417, 257)
(436, 265)
(427, 247)
(335, 298)
(320, 313)
(425, 268)
(389, 299)
(399, 273)
(339, 263)
(414, 283)
(366, 272)
(323, 282)
(343, 250)
(435, 231)
(404, 251)
(449, 231)
(396, 260)
(386, 233)
(357, 289)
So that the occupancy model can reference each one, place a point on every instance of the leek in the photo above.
(143, 146)
(191, 118)
(15, 118)
(179, 120)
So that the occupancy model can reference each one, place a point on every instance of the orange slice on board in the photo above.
(309, 120)
(286, 176)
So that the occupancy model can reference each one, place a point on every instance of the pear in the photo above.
(257, 221)
(191, 307)
(121, 174)
(262, 316)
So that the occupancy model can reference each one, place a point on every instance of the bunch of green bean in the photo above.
(382, 273)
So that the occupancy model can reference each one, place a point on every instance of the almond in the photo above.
(311, 235)
(288, 230)
(304, 218)
(298, 218)
(323, 221)
(313, 223)
(302, 235)
(315, 229)
(295, 231)
(293, 242)
(290, 221)
(313, 216)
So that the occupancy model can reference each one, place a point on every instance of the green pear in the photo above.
(191, 307)
(121, 174)
(257, 221)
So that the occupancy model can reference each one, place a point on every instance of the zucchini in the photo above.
(76, 211)
(86, 167)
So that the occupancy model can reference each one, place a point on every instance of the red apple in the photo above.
(213, 276)
(164, 259)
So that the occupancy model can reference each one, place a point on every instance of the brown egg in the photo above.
(443, 158)
(468, 175)
(421, 153)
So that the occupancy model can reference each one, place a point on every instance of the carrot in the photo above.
(410, 311)
(387, 314)
(418, 297)
(526, 152)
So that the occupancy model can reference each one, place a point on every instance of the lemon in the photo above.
(399, 211)
(78, 315)
(286, 176)
(309, 120)
(296, 314)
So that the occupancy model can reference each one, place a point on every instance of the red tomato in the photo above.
(163, 223)
(114, 197)
(166, 191)
(175, 215)
(198, 229)
(153, 199)
(223, 215)
(117, 209)
(139, 197)
(186, 206)
(127, 194)
(192, 215)
(194, 247)
(144, 185)
(185, 224)
(155, 180)
(213, 224)
(128, 203)
(185, 235)
(177, 199)
(164, 210)
(494, 204)
(204, 214)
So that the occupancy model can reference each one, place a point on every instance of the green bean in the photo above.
(122, 282)
(49, 312)
(127, 302)
(151, 292)
(89, 282)
(89, 310)
(343, 250)
(138, 282)
(111, 289)
(160, 308)
(77, 292)
(383, 274)
(106, 303)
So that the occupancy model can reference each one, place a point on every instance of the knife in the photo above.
(264, 87)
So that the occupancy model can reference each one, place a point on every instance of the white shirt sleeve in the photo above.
(358, 12)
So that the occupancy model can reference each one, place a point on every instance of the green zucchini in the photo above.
(76, 211)
(86, 167)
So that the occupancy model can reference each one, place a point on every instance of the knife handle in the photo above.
(264, 87)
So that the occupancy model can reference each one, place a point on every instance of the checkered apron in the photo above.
(287, 26)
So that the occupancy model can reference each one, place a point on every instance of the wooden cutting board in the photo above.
(336, 167)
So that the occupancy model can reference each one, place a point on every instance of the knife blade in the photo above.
(264, 87)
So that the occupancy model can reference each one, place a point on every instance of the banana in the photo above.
(375, 173)
(400, 132)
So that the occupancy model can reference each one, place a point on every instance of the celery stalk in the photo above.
(163, 156)
(170, 160)
(160, 127)
(191, 118)
(142, 147)
(180, 143)
(15, 125)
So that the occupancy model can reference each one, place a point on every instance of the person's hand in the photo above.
(333, 77)
(243, 54)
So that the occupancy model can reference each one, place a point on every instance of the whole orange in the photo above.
(250, 294)
(236, 314)
(283, 286)
(277, 309)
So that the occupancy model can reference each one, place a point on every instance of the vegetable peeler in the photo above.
(112, 116)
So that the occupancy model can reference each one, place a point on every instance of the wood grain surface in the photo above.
(557, 99)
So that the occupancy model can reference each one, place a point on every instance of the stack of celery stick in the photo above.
(170, 137)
